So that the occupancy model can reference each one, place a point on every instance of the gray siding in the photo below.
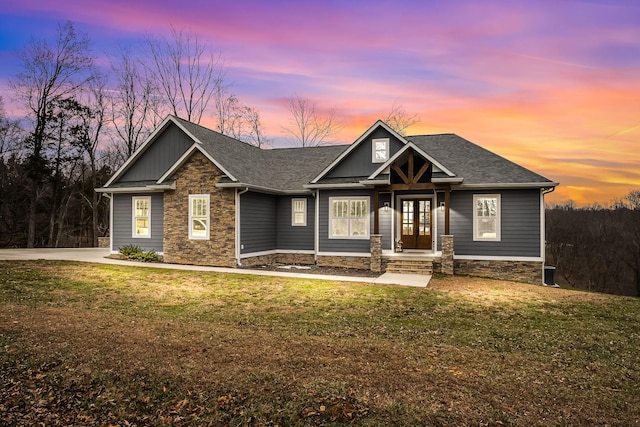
(342, 245)
(160, 156)
(295, 238)
(258, 222)
(358, 162)
(123, 222)
(520, 224)
(385, 220)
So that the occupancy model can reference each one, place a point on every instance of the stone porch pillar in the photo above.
(376, 253)
(447, 254)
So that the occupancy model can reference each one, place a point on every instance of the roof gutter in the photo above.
(155, 188)
(507, 185)
(259, 188)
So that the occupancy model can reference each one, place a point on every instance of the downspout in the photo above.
(238, 194)
(316, 244)
(110, 196)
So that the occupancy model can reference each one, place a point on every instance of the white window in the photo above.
(486, 217)
(142, 217)
(349, 218)
(199, 216)
(298, 212)
(380, 150)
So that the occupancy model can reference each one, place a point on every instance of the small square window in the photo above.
(379, 150)
(298, 212)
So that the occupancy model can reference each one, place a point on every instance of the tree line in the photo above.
(596, 248)
(80, 121)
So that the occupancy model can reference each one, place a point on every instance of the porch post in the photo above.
(376, 211)
(447, 202)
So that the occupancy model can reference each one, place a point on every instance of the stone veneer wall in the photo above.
(518, 271)
(199, 176)
(281, 258)
(363, 263)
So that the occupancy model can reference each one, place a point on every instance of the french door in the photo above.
(416, 224)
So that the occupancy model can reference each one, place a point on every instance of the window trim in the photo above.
(366, 199)
(134, 199)
(293, 212)
(207, 235)
(373, 150)
(476, 237)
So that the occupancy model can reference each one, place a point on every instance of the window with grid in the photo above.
(349, 218)
(299, 212)
(142, 216)
(486, 217)
(199, 216)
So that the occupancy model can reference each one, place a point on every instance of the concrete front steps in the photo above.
(410, 265)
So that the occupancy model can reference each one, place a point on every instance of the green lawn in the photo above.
(88, 344)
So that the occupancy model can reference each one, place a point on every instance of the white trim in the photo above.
(417, 149)
(270, 190)
(276, 252)
(148, 189)
(133, 217)
(498, 218)
(207, 235)
(293, 212)
(367, 235)
(353, 146)
(494, 186)
(349, 254)
(498, 258)
(331, 186)
(111, 222)
(182, 159)
(374, 150)
(316, 236)
(542, 229)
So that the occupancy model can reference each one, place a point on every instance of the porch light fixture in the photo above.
(441, 206)
(386, 206)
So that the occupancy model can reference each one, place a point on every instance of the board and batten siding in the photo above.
(160, 156)
(356, 246)
(519, 223)
(298, 238)
(257, 222)
(123, 222)
(358, 162)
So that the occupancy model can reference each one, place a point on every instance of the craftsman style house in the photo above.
(385, 202)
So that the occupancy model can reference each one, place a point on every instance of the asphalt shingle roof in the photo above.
(289, 169)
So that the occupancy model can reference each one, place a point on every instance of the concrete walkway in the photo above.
(99, 255)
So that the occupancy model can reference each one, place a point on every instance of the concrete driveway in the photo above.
(99, 255)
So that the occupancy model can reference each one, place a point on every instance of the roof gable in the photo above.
(353, 148)
(438, 167)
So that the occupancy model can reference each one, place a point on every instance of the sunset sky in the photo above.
(552, 85)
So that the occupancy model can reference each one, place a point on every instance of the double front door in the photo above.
(416, 224)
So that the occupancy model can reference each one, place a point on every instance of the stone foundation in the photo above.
(363, 263)
(282, 258)
(517, 271)
(199, 176)
(446, 262)
(104, 242)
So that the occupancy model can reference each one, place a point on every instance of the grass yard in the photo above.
(84, 344)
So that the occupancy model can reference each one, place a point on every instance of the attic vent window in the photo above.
(380, 150)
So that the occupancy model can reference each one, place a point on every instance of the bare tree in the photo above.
(134, 110)
(229, 112)
(186, 71)
(399, 120)
(88, 135)
(308, 126)
(10, 133)
(49, 73)
(255, 134)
